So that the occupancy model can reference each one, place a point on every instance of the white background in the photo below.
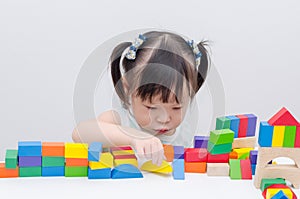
(43, 45)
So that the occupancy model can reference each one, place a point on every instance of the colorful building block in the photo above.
(220, 158)
(56, 149)
(283, 117)
(223, 136)
(168, 152)
(234, 124)
(222, 123)
(297, 138)
(106, 161)
(123, 152)
(164, 168)
(235, 169)
(8, 173)
(253, 168)
(246, 169)
(131, 156)
(279, 193)
(252, 120)
(178, 152)
(76, 150)
(76, 171)
(278, 136)
(118, 162)
(233, 155)
(52, 161)
(195, 167)
(30, 161)
(218, 149)
(30, 171)
(289, 136)
(104, 173)
(195, 155)
(76, 162)
(278, 186)
(243, 126)
(266, 182)
(94, 152)
(246, 142)
(120, 148)
(126, 171)
(243, 153)
(217, 169)
(253, 156)
(11, 159)
(53, 171)
(29, 148)
(200, 141)
(265, 134)
(178, 169)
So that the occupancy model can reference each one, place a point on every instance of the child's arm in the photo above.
(107, 129)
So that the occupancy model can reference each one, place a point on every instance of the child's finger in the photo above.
(140, 152)
(147, 151)
(155, 154)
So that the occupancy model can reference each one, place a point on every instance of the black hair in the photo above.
(163, 61)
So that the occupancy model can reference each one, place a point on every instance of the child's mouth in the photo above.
(162, 131)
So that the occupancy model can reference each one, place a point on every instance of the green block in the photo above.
(49, 161)
(235, 169)
(30, 171)
(11, 159)
(223, 136)
(289, 136)
(266, 182)
(76, 171)
(215, 149)
(222, 123)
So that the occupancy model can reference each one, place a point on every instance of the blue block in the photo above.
(178, 169)
(53, 171)
(95, 150)
(252, 120)
(234, 124)
(280, 195)
(200, 141)
(178, 152)
(99, 173)
(126, 171)
(253, 156)
(265, 134)
(253, 168)
(28, 148)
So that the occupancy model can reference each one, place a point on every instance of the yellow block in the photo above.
(106, 161)
(273, 191)
(123, 152)
(278, 136)
(163, 168)
(76, 150)
(118, 162)
(242, 151)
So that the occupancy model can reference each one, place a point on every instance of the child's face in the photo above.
(157, 117)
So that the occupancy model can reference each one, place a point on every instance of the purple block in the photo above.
(178, 152)
(30, 161)
(201, 141)
(253, 156)
(252, 119)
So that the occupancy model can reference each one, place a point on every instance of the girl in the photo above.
(156, 78)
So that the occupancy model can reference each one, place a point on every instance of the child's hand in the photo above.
(149, 148)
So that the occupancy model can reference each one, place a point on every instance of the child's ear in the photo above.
(125, 85)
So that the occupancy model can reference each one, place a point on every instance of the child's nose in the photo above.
(163, 117)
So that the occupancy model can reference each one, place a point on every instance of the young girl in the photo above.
(156, 78)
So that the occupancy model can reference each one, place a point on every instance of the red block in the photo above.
(283, 117)
(243, 126)
(77, 162)
(246, 169)
(120, 148)
(130, 156)
(297, 139)
(195, 155)
(220, 158)
(278, 186)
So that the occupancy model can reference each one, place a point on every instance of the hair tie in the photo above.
(196, 51)
(131, 54)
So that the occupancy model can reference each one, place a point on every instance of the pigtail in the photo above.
(204, 64)
(115, 69)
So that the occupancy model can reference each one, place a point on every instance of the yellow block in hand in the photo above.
(76, 150)
(163, 168)
(273, 191)
(118, 162)
(106, 161)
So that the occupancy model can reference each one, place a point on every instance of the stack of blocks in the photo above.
(253, 160)
(195, 160)
(76, 155)
(124, 155)
(178, 163)
(53, 159)
(278, 191)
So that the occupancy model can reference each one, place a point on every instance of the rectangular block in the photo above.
(223, 136)
(265, 134)
(278, 136)
(76, 171)
(30, 171)
(11, 159)
(252, 120)
(120, 148)
(8, 173)
(178, 152)
(124, 152)
(76, 150)
(53, 171)
(243, 126)
(118, 162)
(253, 168)
(235, 169)
(30, 161)
(246, 169)
(195, 155)
(220, 158)
(297, 138)
(178, 169)
(253, 156)
(246, 142)
(234, 125)
(131, 156)
(56, 149)
(76, 162)
(99, 173)
(222, 123)
(200, 141)
(218, 149)
(95, 150)
(265, 182)
(106, 161)
(52, 161)
(289, 136)
(195, 167)
(168, 152)
(243, 153)
(29, 148)
(217, 169)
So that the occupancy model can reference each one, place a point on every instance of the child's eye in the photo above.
(177, 108)
(149, 107)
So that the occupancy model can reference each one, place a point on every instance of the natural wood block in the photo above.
(217, 169)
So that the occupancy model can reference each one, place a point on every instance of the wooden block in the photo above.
(233, 155)
(218, 149)
(8, 173)
(76, 171)
(297, 139)
(106, 161)
(29, 148)
(222, 123)
(123, 152)
(247, 142)
(234, 124)
(265, 183)
(53, 149)
(168, 152)
(30, 171)
(76, 150)
(243, 125)
(252, 120)
(178, 169)
(283, 117)
(195, 167)
(223, 136)
(126, 171)
(200, 141)
(278, 136)
(273, 193)
(220, 158)
(265, 134)
(76, 162)
(30, 161)
(235, 169)
(94, 151)
(53, 171)
(253, 156)
(243, 153)
(278, 186)
(11, 159)
(164, 168)
(120, 148)
(253, 168)
(52, 161)
(195, 155)
(118, 162)
(99, 173)
(246, 169)
(217, 169)
(289, 136)
(178, 152)
(131, 156)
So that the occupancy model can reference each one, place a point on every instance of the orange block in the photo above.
(77, 162)
(53, 149)
(233, 155)
(8, 173)
(195, 167)
(169, 152)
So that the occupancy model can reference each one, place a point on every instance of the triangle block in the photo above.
(283, 117)
(164, 168)
(126, 171)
